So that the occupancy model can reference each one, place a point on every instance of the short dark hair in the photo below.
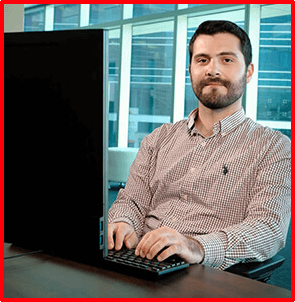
(214, 27)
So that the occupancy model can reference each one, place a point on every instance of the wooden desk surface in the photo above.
(41, 275)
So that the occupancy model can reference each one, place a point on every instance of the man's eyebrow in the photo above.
(223, 53)
(198, 55)
(228, 53)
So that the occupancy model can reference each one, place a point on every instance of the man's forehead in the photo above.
(222, 42)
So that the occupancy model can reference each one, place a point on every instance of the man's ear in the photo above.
(250, 71)
(189, 70)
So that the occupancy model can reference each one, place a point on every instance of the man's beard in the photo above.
(215, 100)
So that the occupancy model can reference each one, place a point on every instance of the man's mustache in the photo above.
(219, 81)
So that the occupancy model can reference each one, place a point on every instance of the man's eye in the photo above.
(227, 60)
(202, 60)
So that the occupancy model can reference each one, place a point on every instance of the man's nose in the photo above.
(213, 69)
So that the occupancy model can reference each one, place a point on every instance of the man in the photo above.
(215, 188)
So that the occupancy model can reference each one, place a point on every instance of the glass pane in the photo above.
(191, 101)
(66, 16)
(114, 61)
(148, 9)
(274, 76)
(194, 5)
(185, 6)
(100, 13)
(151, 77)
(285, 131)
(34, 19)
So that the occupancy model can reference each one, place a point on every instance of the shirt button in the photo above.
(184, 197)
(193, 170)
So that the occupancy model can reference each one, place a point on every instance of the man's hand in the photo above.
(153, 242)
(124, 233)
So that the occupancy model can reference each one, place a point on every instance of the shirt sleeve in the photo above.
(133, 202)
(264, 230)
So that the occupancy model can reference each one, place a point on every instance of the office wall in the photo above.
(13, 17)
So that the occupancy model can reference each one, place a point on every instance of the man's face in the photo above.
(217, 70)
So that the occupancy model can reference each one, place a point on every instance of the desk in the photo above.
(42, 275)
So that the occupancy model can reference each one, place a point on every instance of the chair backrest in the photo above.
(120, 160)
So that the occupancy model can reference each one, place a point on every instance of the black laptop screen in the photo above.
(56, 140)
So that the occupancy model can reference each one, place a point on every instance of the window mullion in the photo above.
(49, 17)
(84, 15)
(124, 85)
(252, 27)
(180, 68)
(127, 11)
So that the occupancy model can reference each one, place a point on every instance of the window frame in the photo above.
(179, 16)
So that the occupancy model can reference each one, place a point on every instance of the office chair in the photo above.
(260, 271)
(120, 160)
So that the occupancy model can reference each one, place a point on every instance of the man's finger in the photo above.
(131, 240)
(138, 250)
(111, 228)
(123, 230)
(119, 233)
(119, 239)
(150, 244)
(167, 252)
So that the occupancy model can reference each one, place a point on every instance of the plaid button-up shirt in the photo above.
(231, 191)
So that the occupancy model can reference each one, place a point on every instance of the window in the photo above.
(34, 19)
(66, 16)
(158, 89)
(151, 77)
(191, 102)
(194, 5)
(274, 78)
(114, 63)
(100, 13)
(148, 9)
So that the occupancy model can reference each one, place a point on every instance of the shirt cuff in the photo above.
(122, 219)
(214, 246)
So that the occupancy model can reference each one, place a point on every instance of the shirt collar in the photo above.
(223, 126)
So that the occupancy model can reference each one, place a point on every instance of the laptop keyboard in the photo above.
(127, 258)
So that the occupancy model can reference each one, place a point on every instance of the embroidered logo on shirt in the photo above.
(224, 169)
